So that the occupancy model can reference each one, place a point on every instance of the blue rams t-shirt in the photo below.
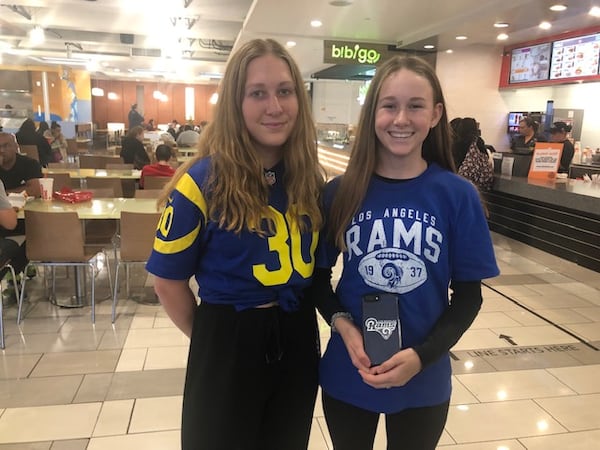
(410, 238)
(245, 269)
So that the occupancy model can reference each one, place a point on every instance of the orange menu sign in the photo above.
(545, 160)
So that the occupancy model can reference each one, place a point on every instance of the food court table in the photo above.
(104, 208)
(128, 178)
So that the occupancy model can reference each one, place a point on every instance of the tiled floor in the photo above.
(525, 374)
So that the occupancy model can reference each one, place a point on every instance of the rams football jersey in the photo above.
(245, 269)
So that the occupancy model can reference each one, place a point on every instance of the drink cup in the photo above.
(46, 188)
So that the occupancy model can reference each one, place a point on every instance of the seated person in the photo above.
(132, 148)
(27, 135)
(12, 250)
(188, 137)
(558, 133)
(18, 172)
(161, 168)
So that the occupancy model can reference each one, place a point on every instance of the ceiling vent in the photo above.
(152, 52)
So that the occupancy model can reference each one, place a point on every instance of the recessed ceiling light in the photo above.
(429, 46)
(595, 11)
(501, 25)
(340, 2)
(290, 44)
(316, 23)
(461, 38)
(502, 37)
(449, 51)
(558, 7)
(545, 25)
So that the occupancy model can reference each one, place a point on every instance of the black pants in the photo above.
(353, 428)
(251, 379)
(14, 253)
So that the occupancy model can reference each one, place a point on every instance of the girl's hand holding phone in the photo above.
(396, 371)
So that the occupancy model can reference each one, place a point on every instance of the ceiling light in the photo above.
(502, 37)
(449, 51)
(595, 11)
(290, 44)
(545, 25)
(559, 7)
(37, 35)
(461, 38)
(428, 46)
(316, 23)
(501, 25)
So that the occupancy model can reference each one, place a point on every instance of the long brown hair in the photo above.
(363, 159)
(237, 189)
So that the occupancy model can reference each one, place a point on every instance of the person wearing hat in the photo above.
(558, 133)
(135, 118)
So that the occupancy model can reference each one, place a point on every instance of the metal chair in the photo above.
(30, 150)
(113, 183)
(60, 180)
(89, 161)
(8, 266)
(155, 182)
(48, 245)
(138, 231)
(119, 166)
(147, 193)
(63, 165)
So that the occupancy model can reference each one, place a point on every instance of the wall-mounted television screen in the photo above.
(575, 57)
(530, 63)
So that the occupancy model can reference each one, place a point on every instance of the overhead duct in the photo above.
(126, 39)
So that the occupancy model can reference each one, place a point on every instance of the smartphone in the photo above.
(381, 326)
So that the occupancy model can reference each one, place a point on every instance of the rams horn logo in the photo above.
(393, 270)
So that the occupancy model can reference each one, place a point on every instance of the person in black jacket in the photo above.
(27, 135)
(133, 150)
(134, 117)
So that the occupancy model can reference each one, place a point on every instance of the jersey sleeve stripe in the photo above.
(188, 188)
(177, 245)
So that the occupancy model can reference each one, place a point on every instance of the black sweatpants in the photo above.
(251, 380)
(353, 428)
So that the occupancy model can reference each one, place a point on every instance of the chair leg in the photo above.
(16, 288)
(21, 296)
(93, 293)
(114, 299)
(1, 322)
(127, 287)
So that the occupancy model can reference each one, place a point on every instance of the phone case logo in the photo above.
(385, 328)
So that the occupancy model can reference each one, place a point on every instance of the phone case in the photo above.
(381, 326)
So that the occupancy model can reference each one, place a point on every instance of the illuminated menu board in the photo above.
(530, 63)
(576, 57)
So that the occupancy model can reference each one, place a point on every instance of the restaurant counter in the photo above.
(560, 217)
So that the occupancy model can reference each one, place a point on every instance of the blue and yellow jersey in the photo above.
(244, 269)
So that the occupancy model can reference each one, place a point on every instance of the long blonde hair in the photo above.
(363, 159)
(237, 190)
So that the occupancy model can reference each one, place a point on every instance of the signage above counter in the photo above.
(565, 58)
